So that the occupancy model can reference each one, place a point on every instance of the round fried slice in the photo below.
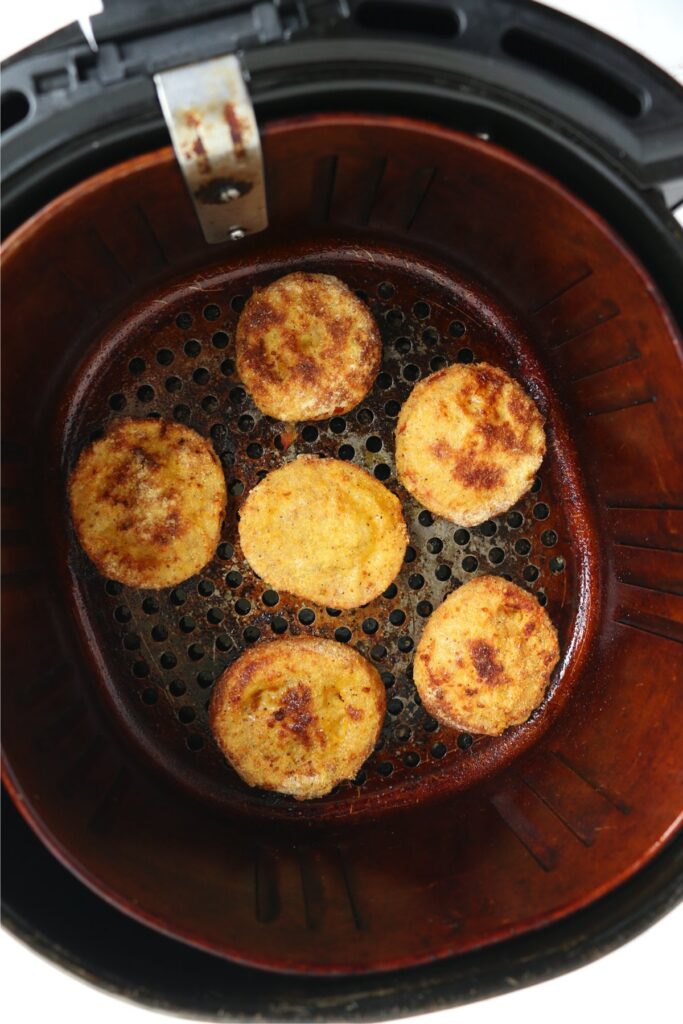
(324, 530)
(468, 442)
(147, 502)
(485, 657)
(307, 348)
(298, 715)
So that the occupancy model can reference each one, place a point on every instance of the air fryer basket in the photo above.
(442, 844)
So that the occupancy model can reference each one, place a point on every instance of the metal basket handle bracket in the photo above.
(211, 121)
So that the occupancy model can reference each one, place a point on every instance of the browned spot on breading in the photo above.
(484, 661)
(529, 628)
(168, 530)
(489, 377)
(296, 715)
(473, 473)
(355, 713)
(500, 434)
(442, 449)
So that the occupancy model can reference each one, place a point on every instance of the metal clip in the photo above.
(215, 137)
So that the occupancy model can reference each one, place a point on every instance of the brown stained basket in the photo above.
(444, 841)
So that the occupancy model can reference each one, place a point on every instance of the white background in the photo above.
(639, 982)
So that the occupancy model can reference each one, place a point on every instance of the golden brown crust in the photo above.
(307, 348)
(485, 658)
(468, 442)
(147, 502)
(298, 715)
(324, 530)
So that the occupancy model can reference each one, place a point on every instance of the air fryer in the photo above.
(494, 180)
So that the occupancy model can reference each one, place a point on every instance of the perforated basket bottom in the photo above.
(163, 650)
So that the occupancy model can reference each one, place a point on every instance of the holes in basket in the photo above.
(382, 471)
(384, 381)
(211, 312)
(137, 366)
(184, 321)
(469, 563)
(522, 546)
(465, 355)
(456, 329)
(370, 625)
(443, 572)
(515, 520)
(557, 564)
(541, 511)
(173, 384)
(306, 617)
(392, 409)
(279, 624)
(270, 598)
(385, 290)
(342, 634)
(251, 634)
(397, 617)
(337, 425)
(411, 372)
(201, 375)
(145, 393)
(424, 609)
(149, 696)
(220, 339)
(434, 545)
(192, 348)
(309, 434)
(117, 402)
(496, 556)
(346, 452)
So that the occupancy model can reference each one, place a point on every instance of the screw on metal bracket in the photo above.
(215, 137)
